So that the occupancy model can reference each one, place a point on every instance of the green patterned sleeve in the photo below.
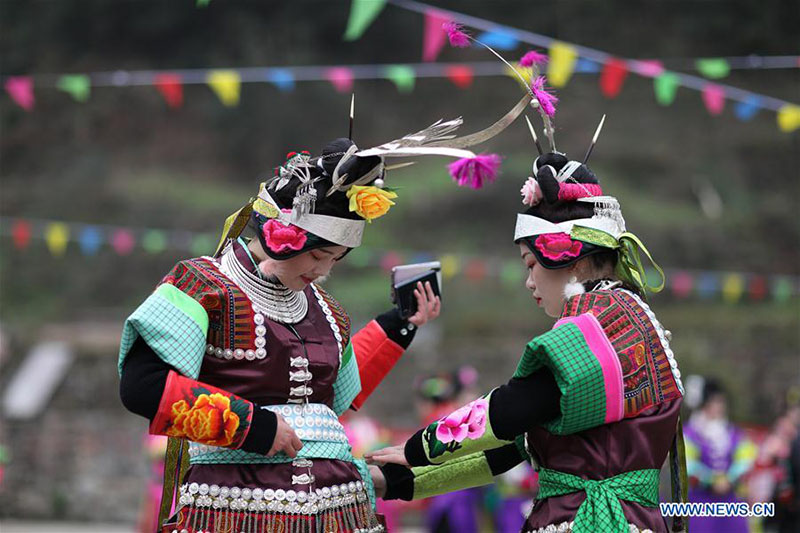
(463, 432)
(173, 324)
(465, 472)
(348, 381)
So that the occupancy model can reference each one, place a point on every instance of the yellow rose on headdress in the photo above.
(370, 202)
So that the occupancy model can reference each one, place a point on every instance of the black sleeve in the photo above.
(399, 482)
(514, 408)
(503, 459)
(144, 376)
(396, 327)
(524, 403)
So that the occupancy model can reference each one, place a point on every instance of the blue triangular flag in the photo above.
(90, 240)
(499, 39)
(587, 66)
(282, 78)
(748, 108)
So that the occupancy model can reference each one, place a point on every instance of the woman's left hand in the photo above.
(428, 304)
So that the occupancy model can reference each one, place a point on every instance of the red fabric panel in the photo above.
(376, 355)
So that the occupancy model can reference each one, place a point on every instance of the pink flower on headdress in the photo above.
(533, 58)
(558, 246)
(281, 238)
(546, 99)
(531, 192)
(456, 34)
(466, 422)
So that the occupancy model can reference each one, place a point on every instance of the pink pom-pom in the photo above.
(474, 171)
(546, 100)
(533, 58)
(456, 35)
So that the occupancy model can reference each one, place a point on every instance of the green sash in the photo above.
(601, 511)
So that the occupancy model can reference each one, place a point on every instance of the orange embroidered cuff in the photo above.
(201, 413)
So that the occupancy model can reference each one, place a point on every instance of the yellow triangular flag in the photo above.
(525, 72)
(789, 118)
(225, 84)
(562, 63)
(732, 288)
(57, 236)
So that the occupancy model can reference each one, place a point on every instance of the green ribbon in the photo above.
(630, 265)
(601, 511)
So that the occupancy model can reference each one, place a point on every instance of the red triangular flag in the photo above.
(460, 75)
(21, 234)
(170, 87)
(613, 76)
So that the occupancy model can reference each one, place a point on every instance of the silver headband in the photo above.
(341, 231)
(607, 218)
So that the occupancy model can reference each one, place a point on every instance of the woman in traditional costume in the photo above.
(246, 358)
(718, 455)
(594, 402)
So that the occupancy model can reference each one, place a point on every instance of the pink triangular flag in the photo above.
(123, 241)
(714, 98)
(20, 88)
(649, 67)
(434, 36)
(341, 78)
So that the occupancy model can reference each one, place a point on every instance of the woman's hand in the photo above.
(392, 454)
(286, 440)
(378, 481)
(428, 304)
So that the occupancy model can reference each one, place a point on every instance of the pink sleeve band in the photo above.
(609, 362)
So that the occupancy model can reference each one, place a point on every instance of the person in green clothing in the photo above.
(594, 403)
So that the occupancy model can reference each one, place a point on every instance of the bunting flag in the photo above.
(226, 84)
(341, 78)
(713, 68)
(170, 87)
(613, 76)
(123, 242)
(649, 68)
(748, 109)
(498, 39)
(665, 86)
(562, 63)
(434, 37)
(714, 98)
(282, 78)
(154, 241)
(21, 234)
(362, 14)
(732, 287)
(90, 239)
(587, 66)
(460, 75)
(402, 76)
(789, 118)
(56, 235)
(76, 85)
(20, 89)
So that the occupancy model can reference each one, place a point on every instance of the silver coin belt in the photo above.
(280, 501)
(566, 527)
(313, 421)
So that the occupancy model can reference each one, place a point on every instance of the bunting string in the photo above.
(89, 239)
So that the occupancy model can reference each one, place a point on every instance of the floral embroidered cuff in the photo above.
(201, 413)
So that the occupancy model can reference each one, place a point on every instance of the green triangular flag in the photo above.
(665, 86)
(154, 241)
(403, 76)
(77, 85)
(712, 68)
(362, 13)
(201, 3)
